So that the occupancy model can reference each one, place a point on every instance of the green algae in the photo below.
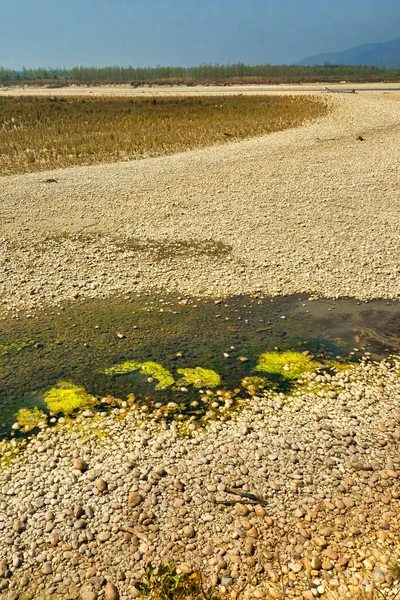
(339, 367)
(199, 377)
(66, 397)
(126, 367)
(15, 347)
(290, 365)
(153, 369)
(29, 418)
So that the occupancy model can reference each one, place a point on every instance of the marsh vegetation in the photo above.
(38, 134)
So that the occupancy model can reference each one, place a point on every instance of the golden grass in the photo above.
(38, 134)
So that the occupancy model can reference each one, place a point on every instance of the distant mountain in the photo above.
(386, 54)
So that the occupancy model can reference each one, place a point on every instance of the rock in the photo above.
(134, 499)
(111, 592)
(241, 510)
(80, 465)
(316, 563)
(47, 568)
(295, 567)
(88, 595)
(78, 511)
(227, 581)
(18, 526)
(179, 485)
(104, 536)
(101, 485)
(189, 531)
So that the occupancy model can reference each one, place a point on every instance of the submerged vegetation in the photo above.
(290, 365)
(199, 377)
(153, 369)
(66, 397)
(38, 134)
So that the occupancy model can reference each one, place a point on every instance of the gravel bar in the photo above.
(313, 210)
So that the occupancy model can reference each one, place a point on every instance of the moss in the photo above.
(157, 371)
(153, 369)
(339, 366)
(15, 348)
(199, 377)
(121, 369)
(29, 418)
(290, 365)
(66, 397)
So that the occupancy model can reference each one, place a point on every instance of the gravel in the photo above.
(306, 487)
(311, 210)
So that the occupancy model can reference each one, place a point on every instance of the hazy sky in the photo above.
(186, 32)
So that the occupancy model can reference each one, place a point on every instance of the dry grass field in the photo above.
(38, 134)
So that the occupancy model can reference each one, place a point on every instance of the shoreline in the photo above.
(93, 500)
(308, 210)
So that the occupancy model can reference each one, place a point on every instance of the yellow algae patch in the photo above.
(153, 369)
(66, 397)
(29, 418)
(199, 377)
(339, 366)
(290, 365)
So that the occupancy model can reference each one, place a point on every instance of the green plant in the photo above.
(165, 583)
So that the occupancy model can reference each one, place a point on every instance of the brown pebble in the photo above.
(111, 592)
(101, 485)
(80, 465)
(134, 499)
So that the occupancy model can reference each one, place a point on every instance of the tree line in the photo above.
(220, 74)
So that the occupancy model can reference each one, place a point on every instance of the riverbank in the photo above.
(299, 491)
(313, 210)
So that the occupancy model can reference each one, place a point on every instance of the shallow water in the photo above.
(79, 342)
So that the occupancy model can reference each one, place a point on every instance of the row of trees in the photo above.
(200, 74)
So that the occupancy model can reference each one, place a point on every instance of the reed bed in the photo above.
(38, 134)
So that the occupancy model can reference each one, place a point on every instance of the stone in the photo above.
(88, 595)
(189, 531)
(104, 536)
(111, 592)
(18, 526)
(47, 568)
(101, 485)
(80, 465)
(241, 510)
(134, 499)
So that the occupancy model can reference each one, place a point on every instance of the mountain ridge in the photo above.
(380, 54)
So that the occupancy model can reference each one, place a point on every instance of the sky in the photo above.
(65, 33)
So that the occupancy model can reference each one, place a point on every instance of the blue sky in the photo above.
(186, 32)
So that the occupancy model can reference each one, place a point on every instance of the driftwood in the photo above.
(252, 498)
(353, 91)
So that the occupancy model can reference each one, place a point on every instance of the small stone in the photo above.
(134, 499)
(316, 563)
(101, 485)
(47, 569)
(88, 595)
(241, 510)
(226, 581)
(179, 485)
(80, 465)
(18, 526)
(111, 592)
(78, 511)
(104, 536)
(295, 567)
(189, 531)
(260, 511)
